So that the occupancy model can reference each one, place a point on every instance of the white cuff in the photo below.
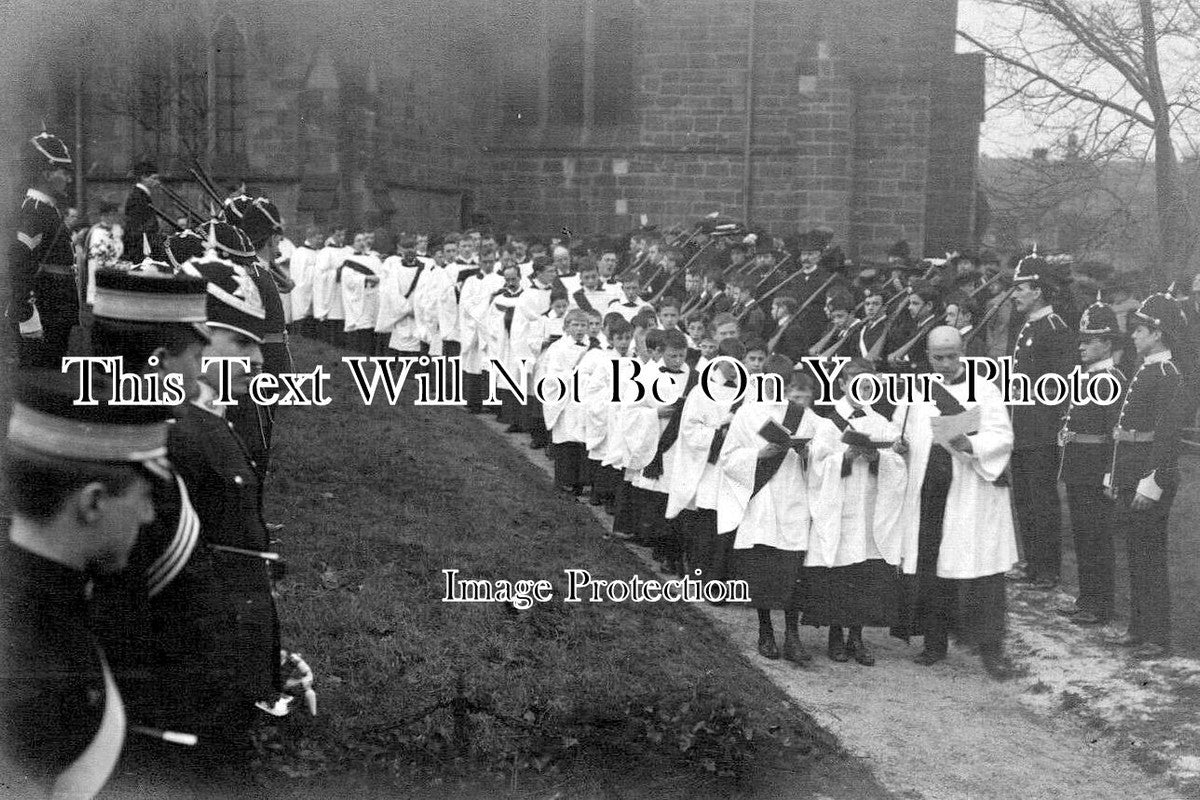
(1149, 487)
(31, 326)
(1107, 480)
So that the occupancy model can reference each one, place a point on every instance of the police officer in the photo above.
(1043, 345)
(1086, 442)
(1143, 473)
(79, 479)
(44, 304)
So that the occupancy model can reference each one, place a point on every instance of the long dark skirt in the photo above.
(698, 528)
(535, 422)
(774, 576)
(605, 480)
(626, 519)
(569, 460)
(511, 410)
(865, 594)
(934, 607)
(653, 525)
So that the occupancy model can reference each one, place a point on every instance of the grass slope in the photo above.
(597, 700)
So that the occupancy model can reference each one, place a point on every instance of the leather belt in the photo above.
(57, 269)
(1122, 435)
(275, 338)
(1071, 437)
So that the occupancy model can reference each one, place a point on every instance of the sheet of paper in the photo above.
(947, 428)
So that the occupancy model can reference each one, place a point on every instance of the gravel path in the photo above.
(1070, 729)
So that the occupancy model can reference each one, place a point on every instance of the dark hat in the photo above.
(541, 262)
(260, 220)
(833, 259)
(48, 421)
(900, 250)
(233, 299)
(108, 207)
(721, 226)
(1035, 269)
(815, 241)
(235, 208)
(1099, 319)
(778, 364)
(229, 239)
(184, 246)
(1161, 312)
(153, 256)
(143, 168)
(149, 297)
(50, 150)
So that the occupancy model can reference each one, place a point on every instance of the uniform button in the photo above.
(253, 463)
(238, 479)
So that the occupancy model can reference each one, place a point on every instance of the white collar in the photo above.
(205, 401)
(1157, 358)
(1041, 313)
(845, 408)
(143, 187)
(1102, 364)
(41, 197)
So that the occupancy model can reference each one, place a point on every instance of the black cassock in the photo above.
(931, 606)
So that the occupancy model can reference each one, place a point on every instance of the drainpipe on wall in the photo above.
(749, 125)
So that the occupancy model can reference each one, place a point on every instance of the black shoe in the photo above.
(794, 651)
(860, 652)
(596, 501)
(537, 445)
(928, 657)
(766, 644)
(514, 428)
(837, 646)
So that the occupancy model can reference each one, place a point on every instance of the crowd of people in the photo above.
(142, 545)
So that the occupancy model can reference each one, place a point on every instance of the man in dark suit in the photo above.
(1043, 344)
(139, 216)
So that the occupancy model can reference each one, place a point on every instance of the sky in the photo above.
(1005, 131)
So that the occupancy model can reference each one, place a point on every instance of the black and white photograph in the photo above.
(600, 399)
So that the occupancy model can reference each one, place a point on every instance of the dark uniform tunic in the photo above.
(1044, 344)
(61, 719)
(160, 619)
(1086, 441)
(42, 270)
(255, 424)
(1145, 459)
(226, 492)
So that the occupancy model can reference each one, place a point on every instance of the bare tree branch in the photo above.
(1078, 93)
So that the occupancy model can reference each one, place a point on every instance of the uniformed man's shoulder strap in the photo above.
(1117, 373)
(1056, 322)
(1168, 369)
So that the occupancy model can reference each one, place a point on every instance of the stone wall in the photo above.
(844, 107)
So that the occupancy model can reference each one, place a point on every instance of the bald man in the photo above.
(956, 524)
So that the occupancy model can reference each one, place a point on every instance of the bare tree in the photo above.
(1096, 66)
